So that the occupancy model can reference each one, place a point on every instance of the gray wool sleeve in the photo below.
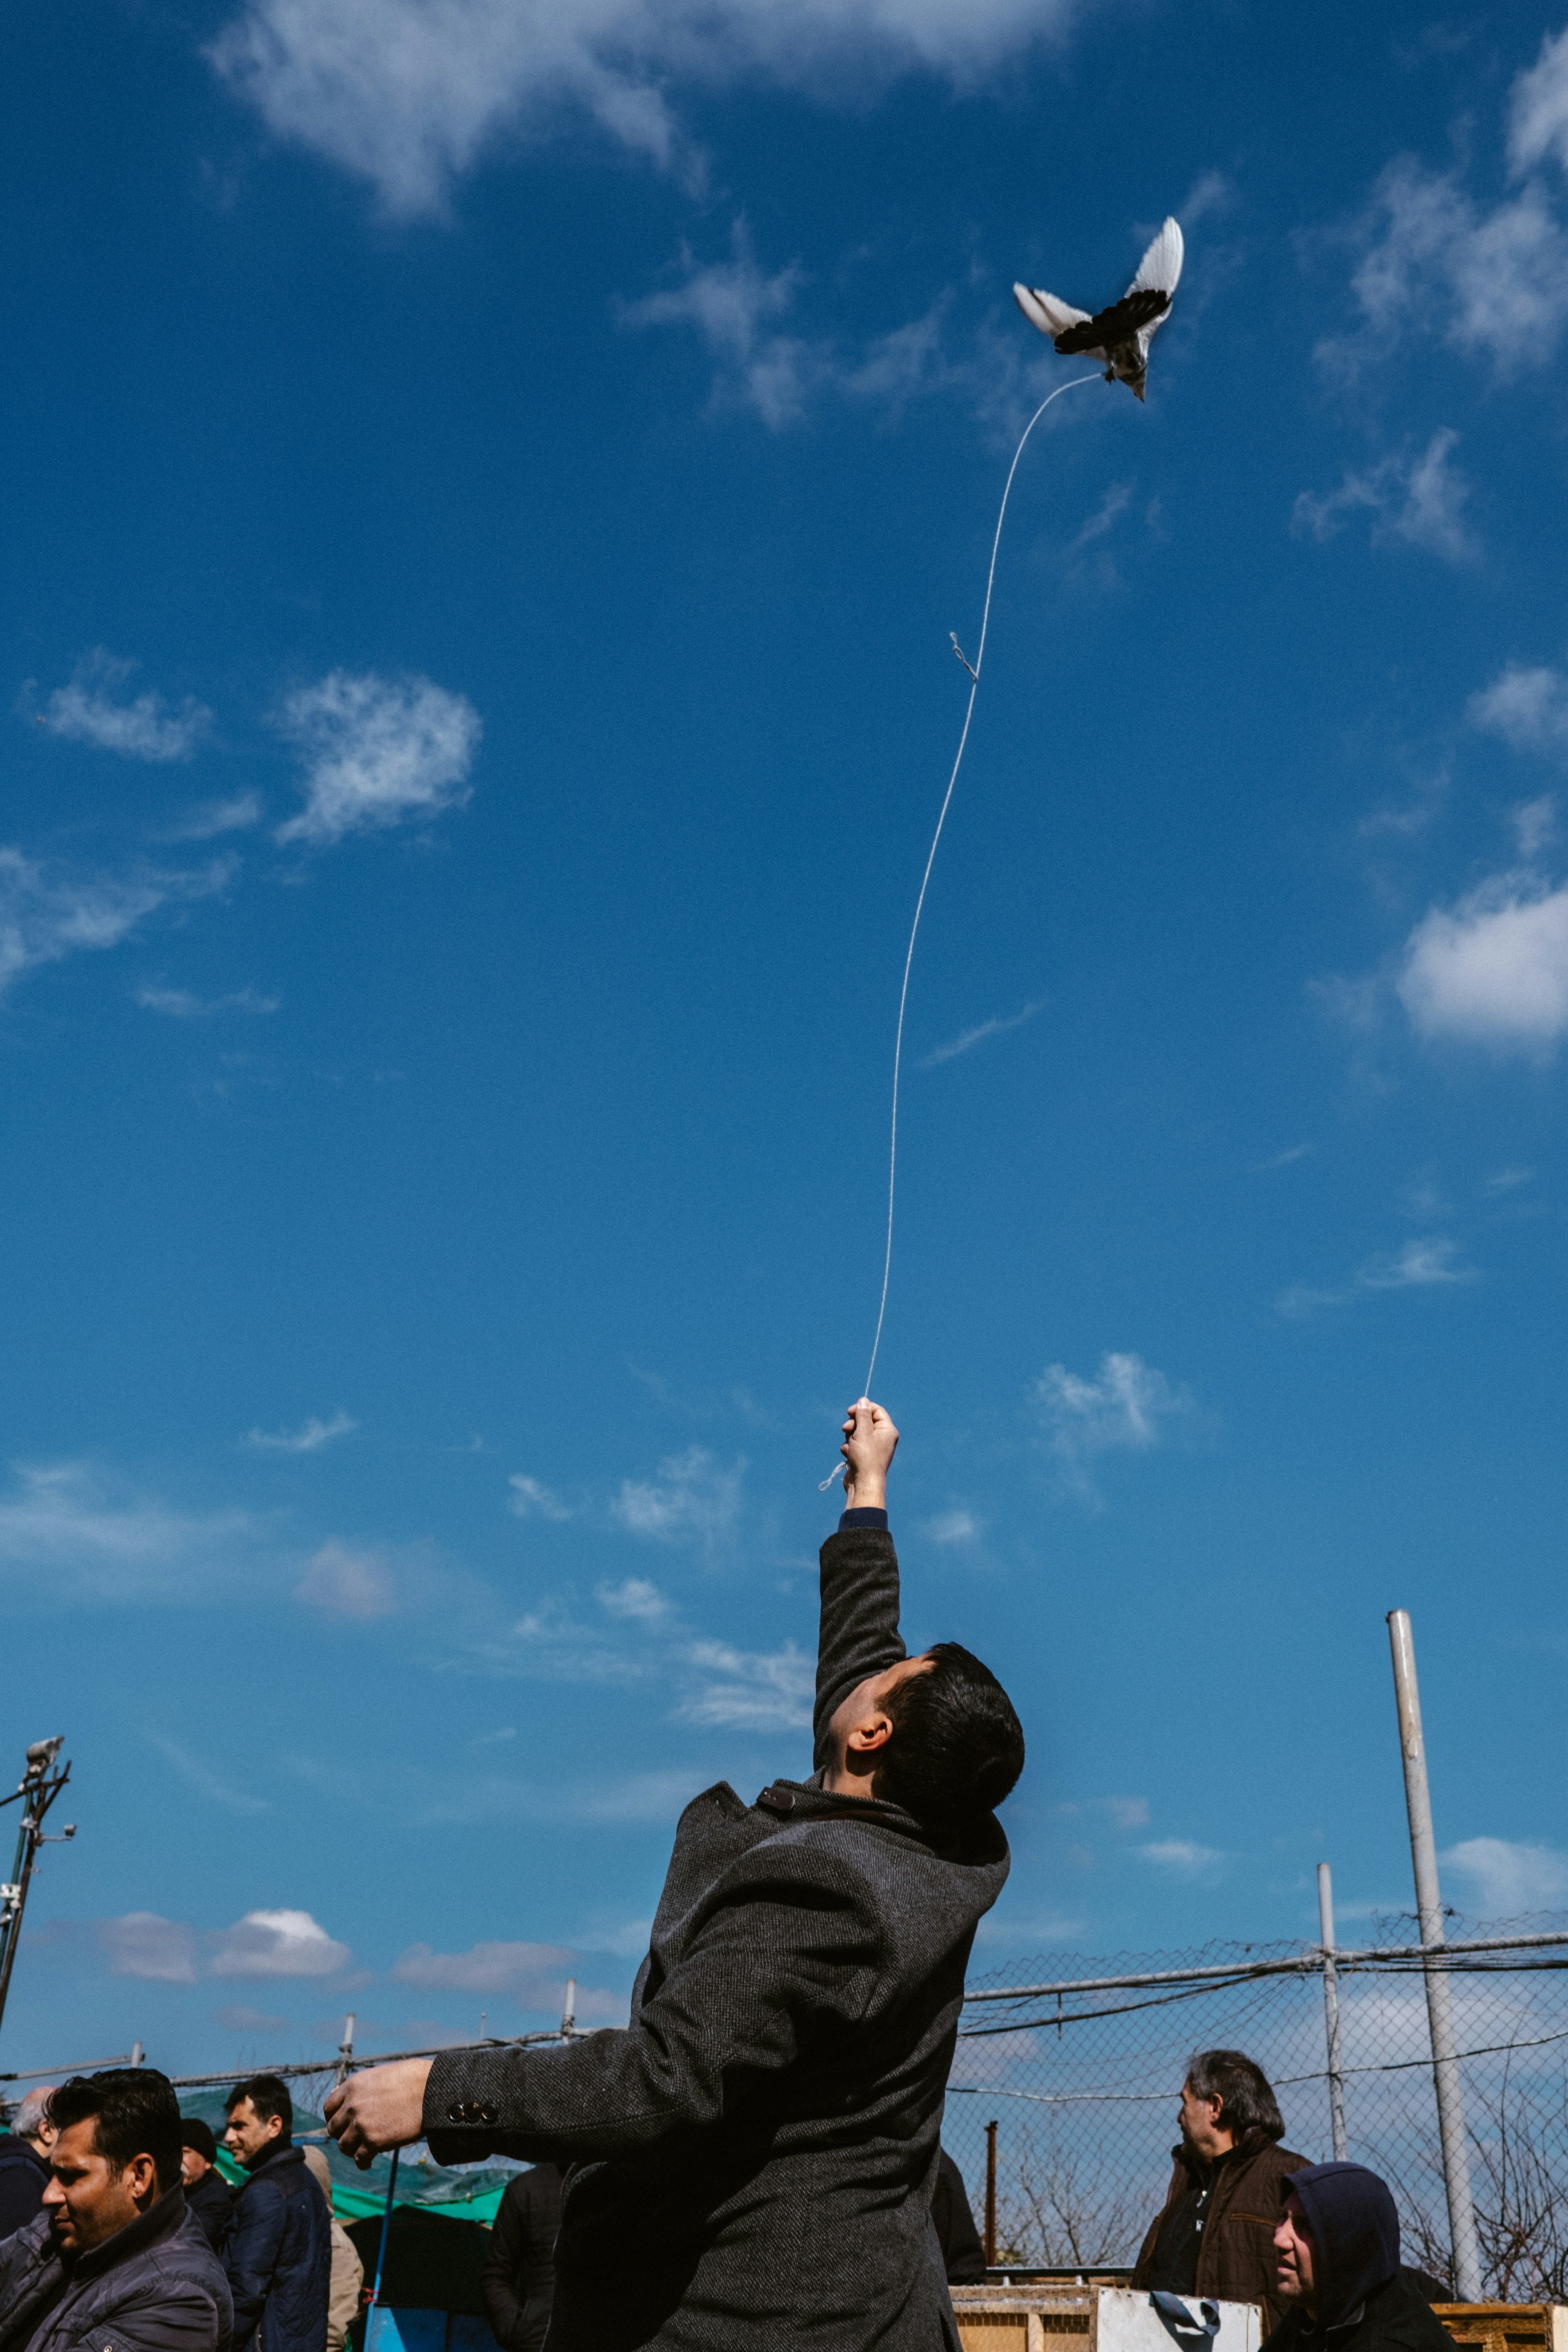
(859, 1625)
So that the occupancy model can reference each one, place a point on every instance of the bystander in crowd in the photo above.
(208, 2194)
(346, 2276)
(24, 2159)
(1338, 2274)
(113, 2261)
(278, 2253)
(1215, 2233)
(517, 2285)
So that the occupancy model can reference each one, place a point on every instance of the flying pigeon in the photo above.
(1119, 335)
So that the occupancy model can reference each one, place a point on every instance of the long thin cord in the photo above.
(920, 903)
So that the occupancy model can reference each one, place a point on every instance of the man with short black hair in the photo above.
(113, 2260)
(754, 2154)
(24, 2159)
(1216, 2234)
(278, 2253)
(208, 2194)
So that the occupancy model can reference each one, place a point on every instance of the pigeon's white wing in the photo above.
(1043, 310)
(1162, 264)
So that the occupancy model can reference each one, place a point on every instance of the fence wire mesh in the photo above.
(1083, 2085)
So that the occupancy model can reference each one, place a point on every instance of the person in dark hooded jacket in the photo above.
(1339, 2276)
(278, 2253)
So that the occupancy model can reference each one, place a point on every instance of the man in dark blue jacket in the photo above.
(279, 2250)
(113, 2260)
(24, 2161)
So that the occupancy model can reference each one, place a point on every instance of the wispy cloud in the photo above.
(1130, 1407)
(732, 304)
(91, 709)
(1492, 971)
(239, 2017)
(143, 1944)
(1507, 1179)
(531, 1500)
(344, 1583)
(408, 98)
(46, 914)
(694, 1499)
(377, 751)
(1419, 1265)
(1182, 1856)
(209, 819)
(533, 1974)
(201, 1776)
(955, 1527)
(181, 1005)
(1286, 1158)
(70, 1535)
(309, 1438)
(1419, 498)
(751, 1690)
(634, 1598)
(1527, 705)
(965, 1043)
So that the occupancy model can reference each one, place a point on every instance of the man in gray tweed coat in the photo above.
(752, 2158)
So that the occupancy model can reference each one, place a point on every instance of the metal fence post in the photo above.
(1332, 2009)
(990, 2197)
(1439, 2010)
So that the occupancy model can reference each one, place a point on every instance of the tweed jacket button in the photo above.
(457, 2113)
(487, 2115)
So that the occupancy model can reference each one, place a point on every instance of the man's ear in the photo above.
(874, 1732)
(140, 2177)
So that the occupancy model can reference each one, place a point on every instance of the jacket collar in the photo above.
(1253, 2142)
(809, 1801)
(275, 2152)
(160, 2220)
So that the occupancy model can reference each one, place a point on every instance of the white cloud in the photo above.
(954, 1527)
(532, 1501)
(45, 916)
(534, 1974)
(377, 751)
(1538, 124)
(275, 1944)
(1534, 823)
(181, 1005)
(693, 1500)
(407, 94)
(1491, 281)
(636, 1597)
(1420, 499)
(1507, 1179)
(238, 2017)
(142, 1944)
(1506, 1879)
(1493, 969)
(728, 303)
(969, 1038)
(309, 1438)
(208, 819)
(345, 1583)
(1527, 707)
(1419, 1265)
(1130, 1407)
(86, 711)
(70, 1537)
(749, 1690)
(1182, 1856)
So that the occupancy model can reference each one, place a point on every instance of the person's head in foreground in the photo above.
(260, 2119)
(116, 2152)
(1338, 2240)
(198, 2151)
(1225, 2097)
(936, 1734)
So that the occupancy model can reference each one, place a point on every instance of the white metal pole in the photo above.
(1332, 2009)
(1439, 2010)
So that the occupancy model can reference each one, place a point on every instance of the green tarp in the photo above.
(469, 2193)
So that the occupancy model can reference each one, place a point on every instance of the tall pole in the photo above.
(1439, 2010)
(39, 1785)
(1332, 2009)
(990, 2197)
(345, 2053)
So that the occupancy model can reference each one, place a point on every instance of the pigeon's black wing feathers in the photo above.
(1118, 324)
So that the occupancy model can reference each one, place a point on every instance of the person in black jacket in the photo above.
(25, 2160)
(518, 2281)
(208, 2194)
(1337, 2247)
(962, 2256)
(753, 2155)
(278, 2255)
(113, 2261)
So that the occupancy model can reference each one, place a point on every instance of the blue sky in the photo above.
(486, 492)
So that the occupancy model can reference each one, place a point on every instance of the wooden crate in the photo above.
(1058, 2316)
(1506, 2326)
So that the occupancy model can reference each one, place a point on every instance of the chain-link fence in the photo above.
(1080, 2063)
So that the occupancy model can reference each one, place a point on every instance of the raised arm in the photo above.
(859, 1626)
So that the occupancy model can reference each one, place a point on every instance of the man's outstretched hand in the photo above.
(870, 1442)
(380, 2108)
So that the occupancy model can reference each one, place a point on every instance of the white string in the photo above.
(931, 860)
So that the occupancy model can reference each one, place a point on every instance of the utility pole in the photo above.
(1332, 2011)
(1440, 2008)
(40, 1784)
